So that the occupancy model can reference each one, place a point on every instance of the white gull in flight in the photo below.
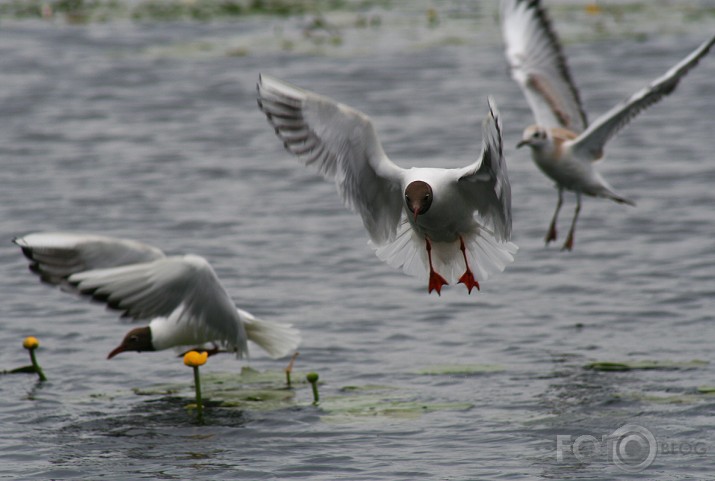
(181, 296)
(420, 219)
(563, 144)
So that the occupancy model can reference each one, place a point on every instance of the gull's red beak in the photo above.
(118, 350)
(415, 208)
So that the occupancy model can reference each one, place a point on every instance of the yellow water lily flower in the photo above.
(593, 9)
(195, 359)
(30, 342)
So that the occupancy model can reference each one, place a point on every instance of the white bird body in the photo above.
(343, 145)
(556, 159)
(181, 296)
(563, 144)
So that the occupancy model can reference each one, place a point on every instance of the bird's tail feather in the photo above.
(275, 338)
(486, 255)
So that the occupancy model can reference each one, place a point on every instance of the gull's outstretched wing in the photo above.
(55, 256)
(486, 182)
(183, 289)
(539, 66)
(343, 145)
(589, 144)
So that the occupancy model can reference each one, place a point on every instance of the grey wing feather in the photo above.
(590, 143)
(486, 182)
(538, 65)
(184, 288)
(343, 145)
(54, 256)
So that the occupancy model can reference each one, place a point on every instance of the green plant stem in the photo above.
(316, 397)
(312, 378)
(199, 402)
(37, 367)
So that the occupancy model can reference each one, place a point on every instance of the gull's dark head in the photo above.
(418, 196)
(138, 339)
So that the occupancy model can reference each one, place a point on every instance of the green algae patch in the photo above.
(250, 389)
(645, 365)
(381, 402)
(460, 369)
(90, 11)
(688, 397)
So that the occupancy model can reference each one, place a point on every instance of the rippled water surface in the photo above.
(151, 131)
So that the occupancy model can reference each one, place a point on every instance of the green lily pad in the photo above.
(352, 408)
(460, 369)
(249, 389)
(366, 387)
(265, 391)
(24, 369)
(644, 365)
(668, 398)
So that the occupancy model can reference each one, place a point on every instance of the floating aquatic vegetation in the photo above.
(252, 390)
(82, 11)
(460, 369)
(312, 378)
(365, 402)
(30, 343)
(195, 359)
(644, 365)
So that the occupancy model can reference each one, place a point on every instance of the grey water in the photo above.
(151, 131)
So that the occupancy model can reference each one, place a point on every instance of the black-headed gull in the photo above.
(563, 145)
(438, 231)
(181, 295)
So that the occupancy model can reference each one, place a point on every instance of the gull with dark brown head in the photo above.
(445, 224)
(181, 296)
(563, 144)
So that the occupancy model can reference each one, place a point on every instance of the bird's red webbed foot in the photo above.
(551, 234)
(468, 277)
(568, 245)
(468, 280)
(436, 281)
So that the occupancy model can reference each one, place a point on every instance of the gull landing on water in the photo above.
(181, 295)
(563, 145)
(420, 219)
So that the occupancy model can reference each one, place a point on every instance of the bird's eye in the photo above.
(133, 338)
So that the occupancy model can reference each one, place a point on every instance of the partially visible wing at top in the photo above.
(486, 182)
(343, 145)
(539, 66)
(589, 144)
(55, 256)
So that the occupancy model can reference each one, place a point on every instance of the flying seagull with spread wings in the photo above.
(181, 296)
(563, 144)
(423, 220)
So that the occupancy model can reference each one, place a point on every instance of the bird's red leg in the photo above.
(568, 245)
(468, 277)
(435, 280)
(551, 235)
